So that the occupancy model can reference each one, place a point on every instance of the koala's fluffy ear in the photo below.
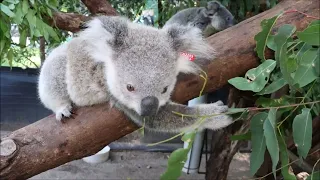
(189, 39)
(111, 28)
(212, 7)
(102, 34)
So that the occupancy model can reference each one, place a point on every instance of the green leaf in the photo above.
(10, 57)
(273, 87)
(269, 129)
(261, 37)
(314, 176)
(256, 78)
(238, 137)
(284, 158)
(281, 38)
(302, 132)
(25, 6)
(23, 37)
(270, 43)
(306, 72)
(18, 14)
(310, 35)
(258, 142)
(188, 137)
(5, 9)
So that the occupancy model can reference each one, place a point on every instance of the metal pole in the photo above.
(194, 155)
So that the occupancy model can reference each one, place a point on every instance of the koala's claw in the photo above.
(63, 112)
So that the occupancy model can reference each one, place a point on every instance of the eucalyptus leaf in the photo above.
(6, 10)
(302, 132)
(270, 43)
(23, 37)
(307, 70)
(280, 39)
(284, 158)
(314, 176)
(25, 6)
(256, 78)
(311, 34)
(262, 36)
(273, 87)
(269, 129)
(258, 142)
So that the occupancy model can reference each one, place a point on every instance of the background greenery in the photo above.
(23, 22)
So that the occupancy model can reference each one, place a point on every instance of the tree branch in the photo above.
(100, 7)
(72, 21)
(47, 143)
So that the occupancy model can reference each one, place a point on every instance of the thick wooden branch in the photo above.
(72, 21)
(100, 7)
(47, 143)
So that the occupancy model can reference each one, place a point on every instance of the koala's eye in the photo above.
(165, 90)
(130, 87)
(228, 18)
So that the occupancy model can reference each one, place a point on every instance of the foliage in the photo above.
(295, 67)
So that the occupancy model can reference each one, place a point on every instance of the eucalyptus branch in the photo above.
(280, 123)
(260, 178)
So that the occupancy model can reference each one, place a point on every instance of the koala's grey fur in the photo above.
(214, 13)
(112, 52)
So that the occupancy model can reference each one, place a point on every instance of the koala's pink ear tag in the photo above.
(191, 57)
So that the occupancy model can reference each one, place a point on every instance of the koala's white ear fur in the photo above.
(104, 33)
(189, 39)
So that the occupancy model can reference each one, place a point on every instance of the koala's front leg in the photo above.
(166, 120)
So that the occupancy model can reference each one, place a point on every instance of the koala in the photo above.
(214, 13)
(132, 66)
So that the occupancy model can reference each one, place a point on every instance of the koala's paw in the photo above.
(219, 107)
(64, 111)
(220, 121)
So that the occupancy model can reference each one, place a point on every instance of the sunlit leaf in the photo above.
(261, 37)
(302, 132)
(258, 142)
(5, 9)
(256, 78)
(269, 129)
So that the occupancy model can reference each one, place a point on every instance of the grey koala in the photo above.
(110, 60)
(214, 13)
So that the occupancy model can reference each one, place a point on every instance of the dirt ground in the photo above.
(135, 165)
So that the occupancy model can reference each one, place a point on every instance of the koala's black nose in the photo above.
(149, 106)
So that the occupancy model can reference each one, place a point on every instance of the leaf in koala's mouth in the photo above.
(191, 57)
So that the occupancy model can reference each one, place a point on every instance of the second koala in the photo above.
(131, 65)
(214, 13)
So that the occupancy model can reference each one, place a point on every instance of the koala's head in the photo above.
(220, 16)
(142, 62)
